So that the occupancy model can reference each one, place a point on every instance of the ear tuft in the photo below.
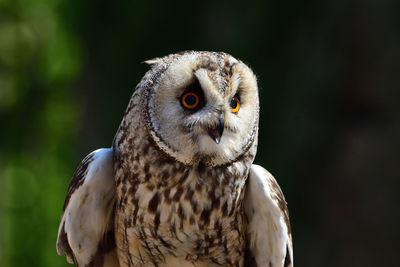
(152, 62)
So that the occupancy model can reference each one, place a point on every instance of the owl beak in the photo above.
(216, 133)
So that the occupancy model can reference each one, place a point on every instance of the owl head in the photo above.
(201, 106)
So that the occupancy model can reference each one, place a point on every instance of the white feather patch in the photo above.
(87, 216)
(268, 231)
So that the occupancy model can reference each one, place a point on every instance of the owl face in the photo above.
(203, 108)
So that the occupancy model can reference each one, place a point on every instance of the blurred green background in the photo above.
(329, 84)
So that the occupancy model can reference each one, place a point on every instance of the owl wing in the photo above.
(86, 232)
(268, 235)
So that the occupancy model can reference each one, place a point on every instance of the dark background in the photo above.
(328, 74)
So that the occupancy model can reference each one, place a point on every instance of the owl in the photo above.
(178, 187)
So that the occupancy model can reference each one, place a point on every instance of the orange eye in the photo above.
(235, 104)
(190, 100)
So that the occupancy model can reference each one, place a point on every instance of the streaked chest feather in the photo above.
(198, 218)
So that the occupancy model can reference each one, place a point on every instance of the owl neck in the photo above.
(145, 161)
(176, 201)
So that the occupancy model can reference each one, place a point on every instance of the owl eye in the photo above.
(190, 100)
(235, 104)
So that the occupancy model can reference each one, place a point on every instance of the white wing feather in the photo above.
(269, 236)
(87, 220)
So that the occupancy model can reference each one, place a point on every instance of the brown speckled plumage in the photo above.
(166, 207)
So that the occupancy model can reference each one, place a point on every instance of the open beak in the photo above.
(216, 133)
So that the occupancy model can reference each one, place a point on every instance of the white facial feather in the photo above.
(182, 133)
